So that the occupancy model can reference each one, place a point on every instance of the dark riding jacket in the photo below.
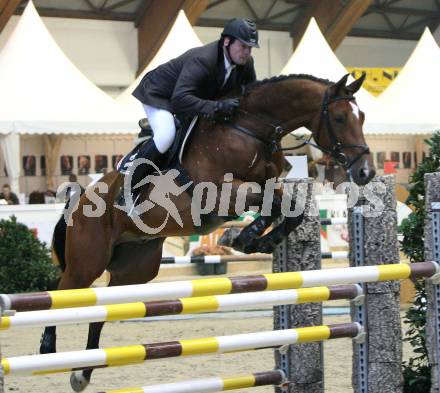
(189, 83)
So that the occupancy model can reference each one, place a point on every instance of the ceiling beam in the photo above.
(264, 24)
(335, 18)
(397, 35)
(323, 11)
(433, 26)
(103, 4)
(280, 14)
(269, 10)
(194, 9)
(252, 11)
(7, 9)
(91, 5)
(140, 12)
(401, 10)
(345, 21)
(80, 14)
(421, 22)
(303, 2)
(119, 4)
(215, 3)
(156, 22)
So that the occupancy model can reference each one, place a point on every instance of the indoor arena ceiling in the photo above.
(401, 19)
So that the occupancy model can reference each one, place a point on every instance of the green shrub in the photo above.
(417, 371)
(25, 261)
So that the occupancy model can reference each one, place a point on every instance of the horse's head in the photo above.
(337, 130)
(274, 107)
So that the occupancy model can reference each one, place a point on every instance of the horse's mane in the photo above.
(281, 78)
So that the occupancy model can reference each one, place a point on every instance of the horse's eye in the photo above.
(339, 119)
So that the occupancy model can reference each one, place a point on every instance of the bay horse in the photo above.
(244, 149)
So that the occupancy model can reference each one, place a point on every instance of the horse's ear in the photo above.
(339, 87)
(356, 85)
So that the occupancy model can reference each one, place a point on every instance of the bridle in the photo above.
(336, 152)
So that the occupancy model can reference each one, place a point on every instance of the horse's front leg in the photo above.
(246, 240)
(270, 241)
(249, 240)
(246, 196)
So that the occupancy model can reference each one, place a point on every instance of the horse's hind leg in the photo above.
(131, 263)
(48, 338)
(88, 252)
(80, 379)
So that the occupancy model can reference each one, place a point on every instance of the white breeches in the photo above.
(162, 123)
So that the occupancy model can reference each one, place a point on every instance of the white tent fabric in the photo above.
(10, 146)
(180, 38)
(411, 101)
(42, 92)
(314, 56)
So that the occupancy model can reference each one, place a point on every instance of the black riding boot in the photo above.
(149, 151)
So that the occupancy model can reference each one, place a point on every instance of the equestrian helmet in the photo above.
(243, 30)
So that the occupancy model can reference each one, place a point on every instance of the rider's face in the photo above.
(239, 52)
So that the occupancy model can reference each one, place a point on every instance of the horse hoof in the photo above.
(266, 246)
(250, 248)
(228, 237)
(78, 382)
(267, 249)
(237, 244)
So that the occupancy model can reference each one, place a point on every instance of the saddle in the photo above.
(174, 153)
(173, 160)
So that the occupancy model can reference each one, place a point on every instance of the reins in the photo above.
(273, 143)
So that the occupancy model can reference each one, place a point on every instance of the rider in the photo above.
(189, 85)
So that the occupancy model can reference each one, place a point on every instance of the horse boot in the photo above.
(149, 151)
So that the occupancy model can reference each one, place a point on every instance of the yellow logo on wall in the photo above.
(377, 79)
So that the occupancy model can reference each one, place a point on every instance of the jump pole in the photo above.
(214, 286)
(119, 356)
(194, 305)
(215, 384)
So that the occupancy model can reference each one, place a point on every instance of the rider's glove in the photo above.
(226, 108)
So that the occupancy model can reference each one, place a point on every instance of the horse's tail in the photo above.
(59, 243)
(57, 250)
(59, 239)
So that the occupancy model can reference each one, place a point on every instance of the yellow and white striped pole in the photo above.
(192, 305)
(214, 384)
(214, 286)
(119, 356)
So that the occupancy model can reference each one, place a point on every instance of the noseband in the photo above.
(336, 152)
